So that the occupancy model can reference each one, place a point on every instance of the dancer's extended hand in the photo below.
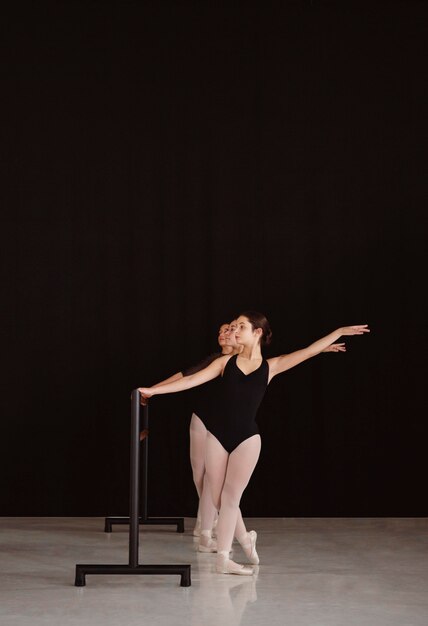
(336, 347)
(355, 330)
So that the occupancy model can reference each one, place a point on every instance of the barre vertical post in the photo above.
(134, 496)
(144, 431)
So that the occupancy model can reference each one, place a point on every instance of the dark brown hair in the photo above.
(258, 320)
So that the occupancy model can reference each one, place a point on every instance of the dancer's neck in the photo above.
(251, 353)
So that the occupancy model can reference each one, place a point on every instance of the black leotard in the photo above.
(236, 407)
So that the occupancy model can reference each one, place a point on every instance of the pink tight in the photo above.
(198, 439)
(228, 475)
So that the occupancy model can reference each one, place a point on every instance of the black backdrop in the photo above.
(167, 165)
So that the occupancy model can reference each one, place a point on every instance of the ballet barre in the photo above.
(133, 566)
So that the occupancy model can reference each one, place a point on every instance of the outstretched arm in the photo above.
(187, 382)
(285, 362)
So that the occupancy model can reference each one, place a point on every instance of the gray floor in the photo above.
(313, 572)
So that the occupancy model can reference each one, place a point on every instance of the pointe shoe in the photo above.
(206, 544)
(224, 565)
(250, 548)
(197, 529)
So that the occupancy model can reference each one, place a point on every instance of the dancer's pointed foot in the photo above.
(248, 544)
(224, 565)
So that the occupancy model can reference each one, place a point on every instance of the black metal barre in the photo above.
(133, 567)
(144, 519)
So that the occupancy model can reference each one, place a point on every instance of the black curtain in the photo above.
(167, 165)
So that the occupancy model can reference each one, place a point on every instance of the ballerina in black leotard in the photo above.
(233, 444)
(207, 513)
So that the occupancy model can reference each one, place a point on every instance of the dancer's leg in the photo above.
(240, 528)
(198, 436)
(228, 476)
(206, 509)
(216, 466)
(240, 466)
(216, 459)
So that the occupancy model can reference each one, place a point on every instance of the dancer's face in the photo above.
(230, 335)
(222, 335)
(245, 334)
